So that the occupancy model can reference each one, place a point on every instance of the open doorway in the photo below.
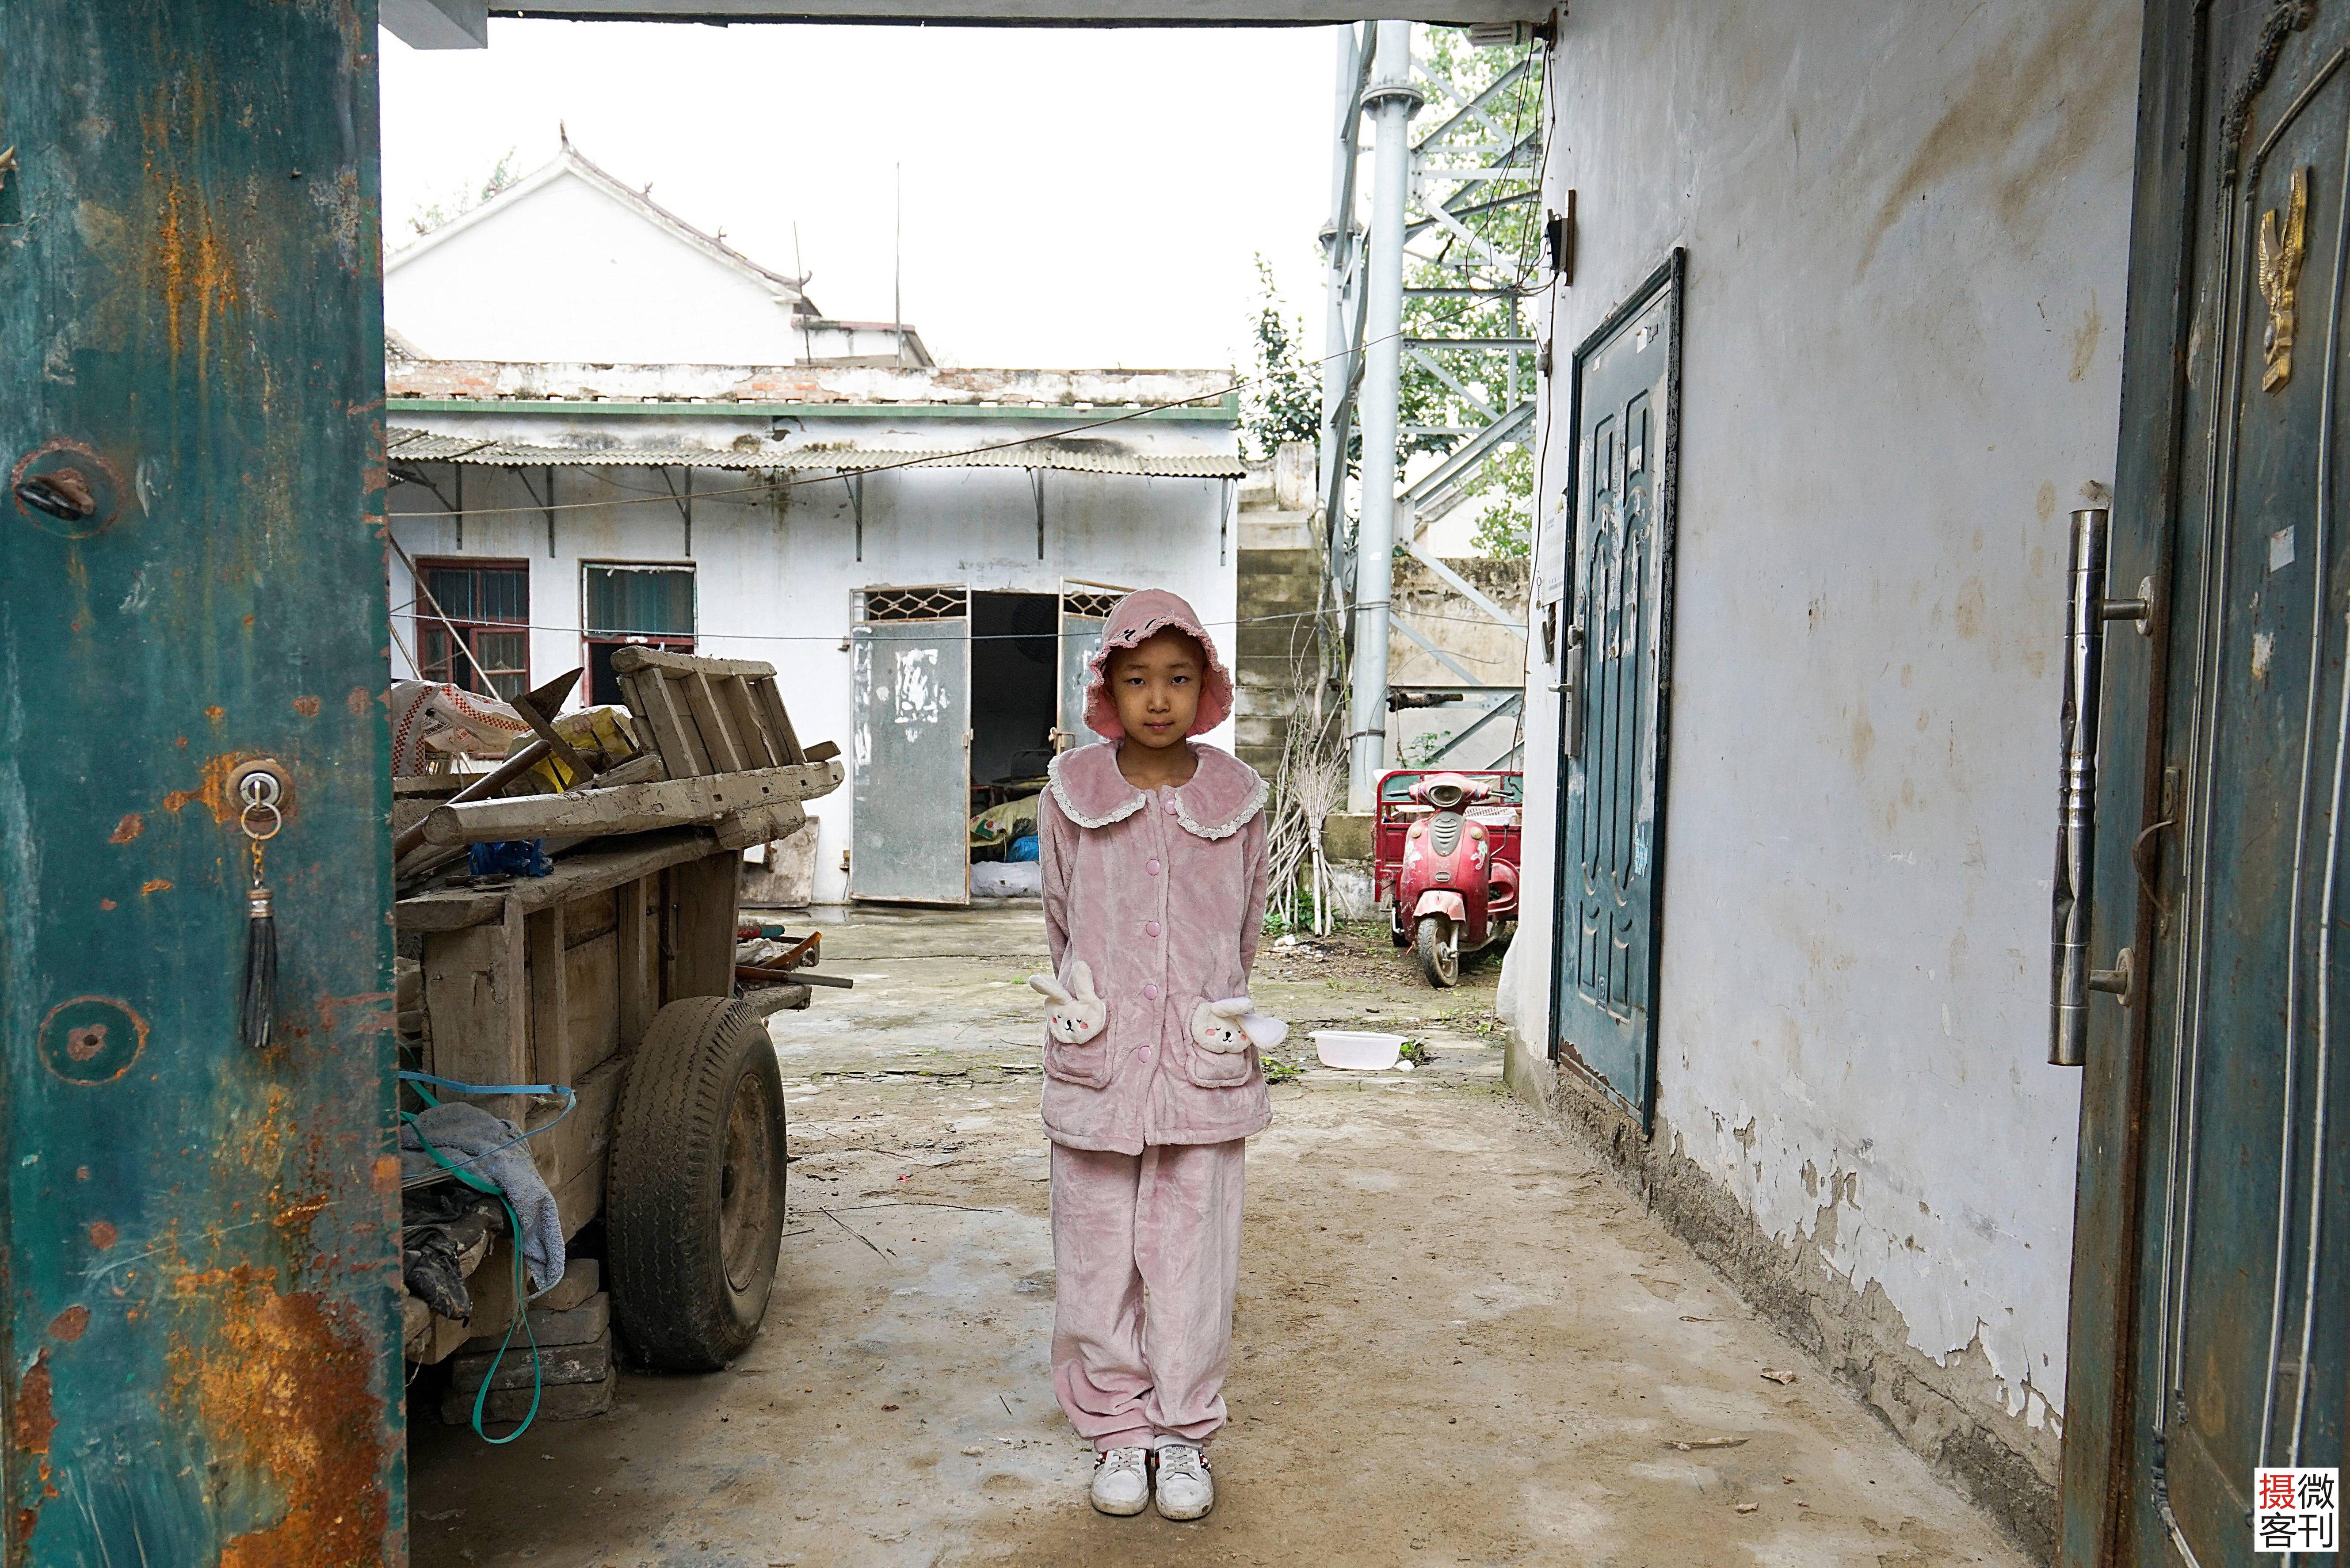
(1015, 708)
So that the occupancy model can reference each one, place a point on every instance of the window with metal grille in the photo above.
(623, 603)
(941, 603)
(472, 621)
(1098, 605)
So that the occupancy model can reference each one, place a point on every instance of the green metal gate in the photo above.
(1614, 676)
(2210, 1323)
(199, 1240)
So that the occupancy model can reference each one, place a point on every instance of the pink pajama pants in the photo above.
(1147, 1253)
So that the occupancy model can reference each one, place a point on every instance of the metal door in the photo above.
(2212, 1311)
(911, 747)
(1085, 608)
(1603, 992)
(198, 1240)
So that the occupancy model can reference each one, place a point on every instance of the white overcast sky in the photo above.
(1072, 197)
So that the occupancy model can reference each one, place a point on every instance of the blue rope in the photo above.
(513, 1223)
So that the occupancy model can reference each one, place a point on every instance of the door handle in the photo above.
(1570, 686)
(2071, 979)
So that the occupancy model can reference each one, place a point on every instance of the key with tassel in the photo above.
(260, 822)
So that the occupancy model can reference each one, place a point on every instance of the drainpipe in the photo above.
(1390, 100)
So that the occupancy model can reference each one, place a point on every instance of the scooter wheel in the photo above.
(1438, 946)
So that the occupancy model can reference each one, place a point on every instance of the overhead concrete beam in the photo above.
(438, 24)
(1034, 13)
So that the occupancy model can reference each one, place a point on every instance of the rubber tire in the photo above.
(1439, 955)
(663, 1187)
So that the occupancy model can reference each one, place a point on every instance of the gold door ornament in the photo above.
(2281, 256)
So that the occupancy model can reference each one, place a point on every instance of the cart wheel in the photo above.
(693, 1205)
(1396, 933)
(1438, 948)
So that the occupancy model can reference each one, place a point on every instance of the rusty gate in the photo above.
(198, 1235)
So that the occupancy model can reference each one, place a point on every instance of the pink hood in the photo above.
(1139, 616)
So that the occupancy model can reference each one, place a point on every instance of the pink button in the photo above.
(1173, 809)
(1153, 867)
(1144, 1053)
(1150, 994)
(1151, 927)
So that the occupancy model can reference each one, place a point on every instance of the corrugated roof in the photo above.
(1079, 456)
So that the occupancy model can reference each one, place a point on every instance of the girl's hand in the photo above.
(1077, 1014)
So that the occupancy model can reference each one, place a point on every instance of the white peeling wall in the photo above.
(1907, 228)
(781, 587)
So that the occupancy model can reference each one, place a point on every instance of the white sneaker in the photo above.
(1121, 1481)
(1186, 1489)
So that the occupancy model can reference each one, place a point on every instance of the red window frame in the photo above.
(437, 659)
(598, 643)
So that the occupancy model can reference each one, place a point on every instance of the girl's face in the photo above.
(1156, 684)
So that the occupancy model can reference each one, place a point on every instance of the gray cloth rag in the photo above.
(459, 1130)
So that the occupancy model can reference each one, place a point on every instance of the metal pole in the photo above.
(1390, 100)
(1338, 253)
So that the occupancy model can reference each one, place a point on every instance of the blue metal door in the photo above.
(2211, 1316)
(1085, 610)
(910, 747)
(1612, 716)
(199, 1352)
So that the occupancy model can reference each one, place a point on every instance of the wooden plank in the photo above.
(779, 719)
(693, 756)
(572, 1145)
(628, 808)
(760, 824)
(648, 699)
(447, 910)
(550, 1049)
(578, 875)
(766, 998)
(587, 917)
(627, 661)
(743, 717)
(591, 984)
(633, 975)
(575, 876)
(477, 1000)
(704, 895)
(580, 1198)
(726, 754)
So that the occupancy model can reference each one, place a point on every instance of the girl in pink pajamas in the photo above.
(1154, 861)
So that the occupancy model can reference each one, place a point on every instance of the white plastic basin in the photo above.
(1357, 1050)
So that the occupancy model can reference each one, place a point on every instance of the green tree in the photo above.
(1282, 399)
(467, 196)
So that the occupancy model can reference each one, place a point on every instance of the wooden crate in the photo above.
(707, 715)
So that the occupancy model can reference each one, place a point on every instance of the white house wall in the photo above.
(777, 580)
(569, 273)
(1907, 229)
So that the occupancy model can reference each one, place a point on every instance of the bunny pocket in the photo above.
(1218, 1054)
(1086, 1064)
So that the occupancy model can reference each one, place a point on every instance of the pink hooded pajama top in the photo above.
(1161, 894)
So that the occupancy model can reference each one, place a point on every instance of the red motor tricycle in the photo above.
(1445, 861)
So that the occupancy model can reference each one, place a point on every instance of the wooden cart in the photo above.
(615, 975)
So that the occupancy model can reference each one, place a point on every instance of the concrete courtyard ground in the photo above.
(1457, 1340)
